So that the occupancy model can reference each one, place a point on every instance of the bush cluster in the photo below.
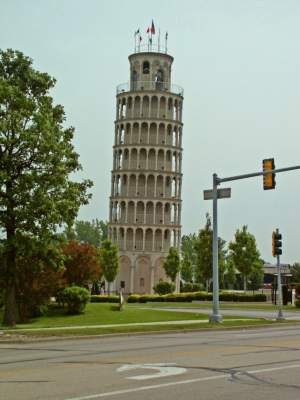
(297, 303)
(75, 298)
(164, 288)
(231, 296)
(190, 287)
(192, 296)
(103, 298)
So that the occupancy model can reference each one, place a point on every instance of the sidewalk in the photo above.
(57, 328)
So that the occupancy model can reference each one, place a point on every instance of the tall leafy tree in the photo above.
(256, 277)
(36, 160)
(82, 264)
(189, 257)
(93, 232)
(230, 271)
(172, 263)
(186, 272)
(295, 271)
(109, 260)
(203, 249)
(244, 253)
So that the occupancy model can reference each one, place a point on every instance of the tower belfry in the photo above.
(145, 201)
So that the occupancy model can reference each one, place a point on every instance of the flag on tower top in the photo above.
(153, 28)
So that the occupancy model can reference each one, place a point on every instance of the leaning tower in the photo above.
(145, 201)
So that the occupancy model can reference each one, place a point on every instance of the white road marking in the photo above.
(162, 385)
(163, 370)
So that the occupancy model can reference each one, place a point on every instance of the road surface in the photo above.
(260, 364)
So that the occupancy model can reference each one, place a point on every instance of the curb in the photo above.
(25, 339)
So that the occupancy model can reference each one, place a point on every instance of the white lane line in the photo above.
(162, 385)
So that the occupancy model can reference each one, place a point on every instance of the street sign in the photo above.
(224, 193)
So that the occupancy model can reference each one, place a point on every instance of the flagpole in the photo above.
(166, 41)
(159, 40)
(135, 41)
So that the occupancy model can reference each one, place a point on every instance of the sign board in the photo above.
(224, 193)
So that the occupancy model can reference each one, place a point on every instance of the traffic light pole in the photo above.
(279, 287)
(216, 316)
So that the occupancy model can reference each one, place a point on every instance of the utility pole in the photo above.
(216, 316)
(214, 194)
(276, 251)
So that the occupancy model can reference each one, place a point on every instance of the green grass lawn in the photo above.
(104, 314)
(227, 323)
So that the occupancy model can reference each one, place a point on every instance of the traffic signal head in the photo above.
(269, 179)
(276, 244)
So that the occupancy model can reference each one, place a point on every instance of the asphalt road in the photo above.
(210, 365)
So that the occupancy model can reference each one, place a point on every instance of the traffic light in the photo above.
(269, 179)
(276, 244)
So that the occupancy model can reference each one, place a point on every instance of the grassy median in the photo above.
(97, 318)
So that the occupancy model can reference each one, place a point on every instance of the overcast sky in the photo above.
(239, 64)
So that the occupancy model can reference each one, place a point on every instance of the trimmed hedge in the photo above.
(200, 296)
(103, 298)
(240, 297)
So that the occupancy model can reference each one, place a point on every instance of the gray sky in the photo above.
(239, 64)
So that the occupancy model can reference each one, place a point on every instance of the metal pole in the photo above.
(279, 287)
(215, 317)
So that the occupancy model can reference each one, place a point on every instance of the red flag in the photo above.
(148, 30)
(153, 28)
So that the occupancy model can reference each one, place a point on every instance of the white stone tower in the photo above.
(145, 202)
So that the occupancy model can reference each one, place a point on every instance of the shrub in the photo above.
(75, 298)
(179, 297)
(202, 296)
(1, 298)
(190, 287)
(297, 289)
(104, 299)
(240, 297)
(133, 298)
(297, 303)
(164, 287)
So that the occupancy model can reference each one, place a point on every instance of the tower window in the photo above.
(146, 67)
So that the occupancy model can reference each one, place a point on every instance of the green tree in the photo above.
(295, 271)
(36, 159)
(230, 271)
(39, 266)
(186, 270)
(256, 277)
(189, 257)
(244, 253)
(172, 264)
(203, 249)
(93, 232)
(109, 261)
(82, 264)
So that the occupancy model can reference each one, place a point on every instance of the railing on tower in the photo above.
(149, 85)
